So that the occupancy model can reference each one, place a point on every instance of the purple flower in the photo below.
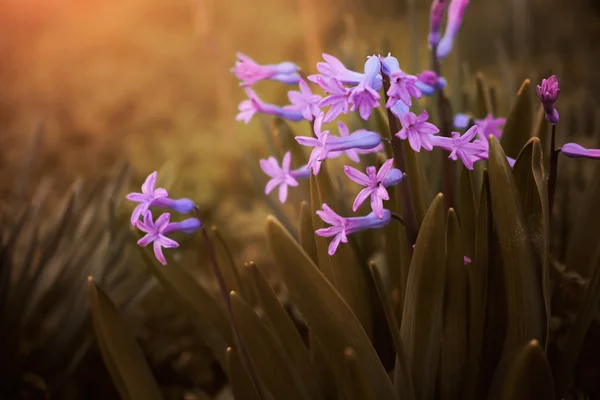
(438, 9)
(340, 226)
(461, 121)
(365, 96)
(375, 184)
(402, 85)
(351, 153)
(462, 147)
(324, 144)
(489, 126)
(418, 131)
(574, 150)
(281, 176)
(254, 104)
(148, 195)
(337, 99)
(456, 11)
(428, 82)
(304, 101)
(155, 233)
(548, 93)
(249, 72)
(334, 68)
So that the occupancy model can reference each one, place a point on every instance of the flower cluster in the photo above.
(156, 230)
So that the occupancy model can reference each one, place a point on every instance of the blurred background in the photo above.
(90, 85)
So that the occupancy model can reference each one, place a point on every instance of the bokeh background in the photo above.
(91, 84)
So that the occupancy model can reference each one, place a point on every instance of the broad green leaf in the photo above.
(524, 294)
(226, 261)
(326, 313)
(483, 104)
(467, 211)
(286, 332)
(423, 307)
(307, 232)
(402, 379)
(529, 376)
(416, 178)
(121, 354)
(266, 353)
(454, 339)
(241, 385)
(359, 387)
(541, 130)
(518, 128)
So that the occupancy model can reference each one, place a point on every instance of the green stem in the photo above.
(553, 169)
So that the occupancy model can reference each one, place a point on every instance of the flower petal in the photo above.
(149, 183)
(137, 197)
(357, 176)
(361, 197)
(283, 192)
(161, 222)
(385, 168)
(159, 254)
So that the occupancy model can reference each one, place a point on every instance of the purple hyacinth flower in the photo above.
(341, 227)
(189, 225)
(375, 183)
(548, 93)
(281, 176)
(574, 150)
(462, 147)
(255, 105)
(146, 198)
(461, 121)
(155, 232)
(365, 97)
(351, 153)
(428, 82)
(324, 144)
(304, 101)
(456, 11)
(334, 68)
(418, 131)
(490, 126)
(249, 72)
(438, 9)
(402, 85)
(337, 101)
(182, 206)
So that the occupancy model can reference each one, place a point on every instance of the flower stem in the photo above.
(553, 169)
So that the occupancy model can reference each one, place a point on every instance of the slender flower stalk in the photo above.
(548, 93)
(254, 104)
(249, 72)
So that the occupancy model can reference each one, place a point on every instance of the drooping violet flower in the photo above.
(341, 227)
(428, 82)
(402, 85)
(334, 68)
(438, 9)
(574, 150)
(351, 153)
(489, 126)
(337, 101)
(461, 121)
(462, 147)
(155, 232)
(282, 176)
(149, 194)
(304, 101)
(324, 144)
(456, 11)
(418, 131)
(255, 105)
(548, 93)
(249, 72)
(375, 183)
(365, 97)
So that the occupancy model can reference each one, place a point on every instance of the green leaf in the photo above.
(524, 296)
(483, 105)
(402, 379)
(121, 354)
(541, 129)
(423, 307)
(518, 128)
(286, 332)
(454, 339)
(307, 232)
(266, 354)
(416, 178)
(467, 211)
(529, 376)
(326, 313)
(359, 387)
(241, 385)
(226, 261)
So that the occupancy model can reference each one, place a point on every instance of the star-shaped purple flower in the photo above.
(254, 104)
(337, 101)
(489, 126)
(402, 85)
(418, 131)
(155, 233)
(462, 147)
(148, 195)
(365, 97)
(340, 226)
(249, 72)
(375, 183)
(304, 101)
(334, 68)
(280, 176)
